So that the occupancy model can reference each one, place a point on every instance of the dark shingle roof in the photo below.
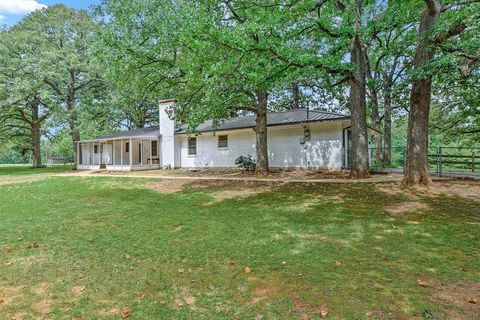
(273, 119)
(244, 122)
(137, 133)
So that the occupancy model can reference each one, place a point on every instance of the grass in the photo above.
(90, 248)
(28, 170)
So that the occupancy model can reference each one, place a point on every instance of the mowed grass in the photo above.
(92, 248)
(25, 170)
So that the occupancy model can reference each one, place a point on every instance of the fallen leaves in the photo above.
(232, 262)
(324, 312)
(178, 303)
(126, 313)
(473, 300)
(248, 270)
(9, 249)
(2, 300)
(33, 245)
(338, 263)
(422, 283)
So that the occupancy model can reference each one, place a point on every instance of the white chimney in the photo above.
(167, 132)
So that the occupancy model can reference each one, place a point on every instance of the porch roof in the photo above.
(142, 133)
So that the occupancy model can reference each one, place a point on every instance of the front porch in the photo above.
(119, 154)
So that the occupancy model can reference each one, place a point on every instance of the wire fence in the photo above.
(442, 161)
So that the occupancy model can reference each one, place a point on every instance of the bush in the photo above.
(246, 162)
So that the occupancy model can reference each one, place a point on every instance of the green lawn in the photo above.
(23, 170)
(90, 248)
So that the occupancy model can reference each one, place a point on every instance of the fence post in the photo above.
(440, 169)
(473, 161)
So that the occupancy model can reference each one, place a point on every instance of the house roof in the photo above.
(244, 122)
(149, 132)
(273, 119)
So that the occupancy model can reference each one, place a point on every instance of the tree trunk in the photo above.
(358, 106)
(377, 123)
(416, 171)
(295, 96)
(72, 115)
(36, 135)
(376, 120)
(387, 123)
(261, 134)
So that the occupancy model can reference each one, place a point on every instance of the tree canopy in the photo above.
(85, 73)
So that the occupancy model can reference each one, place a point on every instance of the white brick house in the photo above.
(296, 139)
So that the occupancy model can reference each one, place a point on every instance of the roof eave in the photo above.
(270, 125)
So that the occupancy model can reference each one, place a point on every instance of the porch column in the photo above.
(141, 152)
(90, 153)
(77, 156)
(121, 152)
(113, 153)
(150, 142)
(130, 152)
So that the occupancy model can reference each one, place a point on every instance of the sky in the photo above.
(12, 11)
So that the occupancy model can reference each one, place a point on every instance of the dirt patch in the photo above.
(108, 313)
(19, 316)
(11, 289)
(185, 299)
(407, 207)
(306, 310)
(459, 299)
(44, 306)
(264, 293)
(161, 186)
(164, 186)
(15, 179)
(226, 190)
(389, 189)
(9, 294)
(236, 194)
(41, 289)
(238, 173)
(78, 290)
(464, 189)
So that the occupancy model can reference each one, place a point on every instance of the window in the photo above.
(223, 141)
(95, 149)
(154, 149)
(127, 147)
(192, 146)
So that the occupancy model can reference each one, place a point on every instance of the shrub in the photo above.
(246, 162)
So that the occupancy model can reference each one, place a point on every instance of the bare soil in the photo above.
(459, 299)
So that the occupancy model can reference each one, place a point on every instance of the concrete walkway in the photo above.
(96, 173)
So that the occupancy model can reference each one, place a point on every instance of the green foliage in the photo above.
(247, 163)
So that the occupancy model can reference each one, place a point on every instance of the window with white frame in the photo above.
(192, 146)
(223, 141)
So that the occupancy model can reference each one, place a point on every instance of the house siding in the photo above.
(324, 150)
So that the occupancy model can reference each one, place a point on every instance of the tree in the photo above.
(67, 62)
(429, 40)
(24, 104)
(212, 53)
